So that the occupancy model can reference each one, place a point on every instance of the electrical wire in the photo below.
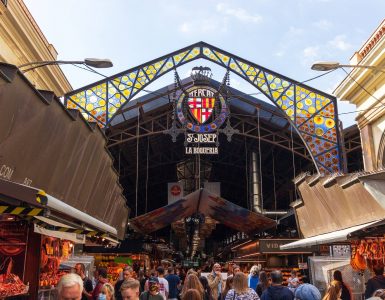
(362, 87)
(148, 151)
(260, 163)
(137, 167)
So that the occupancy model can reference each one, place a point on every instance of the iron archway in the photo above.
(312, 113)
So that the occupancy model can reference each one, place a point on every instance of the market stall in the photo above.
(13, 248)
(116, 262)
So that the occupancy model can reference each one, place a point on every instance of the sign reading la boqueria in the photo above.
(201, 110)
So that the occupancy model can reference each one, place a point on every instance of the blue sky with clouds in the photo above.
(284, 36)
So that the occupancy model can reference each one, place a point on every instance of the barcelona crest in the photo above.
(201, 109)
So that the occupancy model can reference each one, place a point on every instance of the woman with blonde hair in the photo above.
(253, 277)
(107, 292)
(192, 282)
(191, 294)
(240, 290)
(334, 291)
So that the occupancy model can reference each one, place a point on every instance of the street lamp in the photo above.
(91, 62)
(332, 65)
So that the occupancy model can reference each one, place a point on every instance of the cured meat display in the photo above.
(52, 252)
(10, 284)
(366, 253)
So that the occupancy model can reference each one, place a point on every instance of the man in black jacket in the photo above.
(80, 269)
(376, 282)
(277, 291)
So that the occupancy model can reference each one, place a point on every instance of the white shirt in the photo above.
(163, 287)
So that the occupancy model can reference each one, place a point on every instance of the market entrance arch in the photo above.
(312, 113)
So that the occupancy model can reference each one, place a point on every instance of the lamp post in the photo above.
(332, 65)
(91, 62)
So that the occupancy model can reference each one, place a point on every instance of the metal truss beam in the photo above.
(247, 127)
(311, 112)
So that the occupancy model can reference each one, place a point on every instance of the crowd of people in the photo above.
(163, 284)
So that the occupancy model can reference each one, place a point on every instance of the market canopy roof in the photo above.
(44, 145)
(208, 204)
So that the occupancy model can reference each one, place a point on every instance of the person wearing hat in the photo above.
(307, 291)
(153, 290)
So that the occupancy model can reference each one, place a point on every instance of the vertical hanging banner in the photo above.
(174, 191)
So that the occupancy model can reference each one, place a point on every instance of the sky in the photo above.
(283, 36)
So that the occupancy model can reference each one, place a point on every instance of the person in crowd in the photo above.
(153, 273)
(199, 271)
(80, 269)
(293, 281)
(142, 279)
(206, 288)
(70, 286)
(192, 271)
(253, 277)
(191, 294)
(236, 269)
(95, 278)
(263, 283)
(192, 282)
(276, 291)
(182, 275)
(216, 281)
(346, 293)
(334, 291)
(379, 293)
(307, 291)
(376, 282)
(163, 283)
(102, 279)
(228, 286)
(153, 292)
(173, 284)
(240, 290)
(130, 289)
(127, 273)
(107, 292)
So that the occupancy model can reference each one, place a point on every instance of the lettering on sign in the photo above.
(6, 172)
(27, 181)
(201, 93)
(201, 138)
(201, 150)
(274, 246)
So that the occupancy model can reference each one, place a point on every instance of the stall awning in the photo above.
(39, 203)
(326, 238)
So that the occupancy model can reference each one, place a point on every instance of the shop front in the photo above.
(57, 185)
(13, 251)
(344, 214)
(267, 254)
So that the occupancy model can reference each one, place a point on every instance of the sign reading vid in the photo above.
(201, 110)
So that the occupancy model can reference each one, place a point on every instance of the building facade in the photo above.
(365, 88)
(23, 42)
